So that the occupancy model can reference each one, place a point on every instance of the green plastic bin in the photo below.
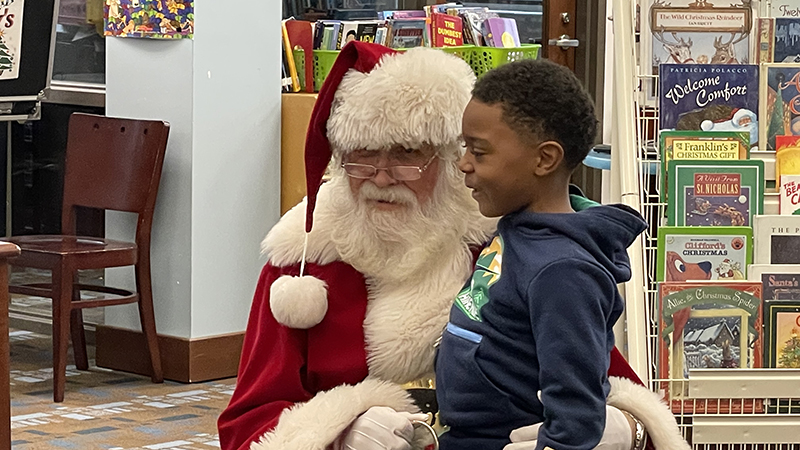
(484, 59)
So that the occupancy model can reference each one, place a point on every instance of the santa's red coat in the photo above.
(299, 388)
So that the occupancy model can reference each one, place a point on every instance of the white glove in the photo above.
(616, 436)
(381, 428)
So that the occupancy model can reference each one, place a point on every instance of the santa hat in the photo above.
(373, 98)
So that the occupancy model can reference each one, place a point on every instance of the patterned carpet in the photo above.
(104, 409)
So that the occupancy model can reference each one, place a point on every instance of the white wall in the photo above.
(220, 188)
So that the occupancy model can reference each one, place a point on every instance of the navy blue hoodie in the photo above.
(537, 314)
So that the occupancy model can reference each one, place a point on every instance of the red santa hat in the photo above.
(373, 98)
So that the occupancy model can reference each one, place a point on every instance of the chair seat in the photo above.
(43, 251)
(62, 245)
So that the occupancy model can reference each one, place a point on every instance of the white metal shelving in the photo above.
(723, 409)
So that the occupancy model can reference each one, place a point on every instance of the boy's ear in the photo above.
(551, 154)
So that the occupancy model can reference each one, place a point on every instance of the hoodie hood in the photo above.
(605, 232)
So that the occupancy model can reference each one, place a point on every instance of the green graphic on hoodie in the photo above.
(487, 271)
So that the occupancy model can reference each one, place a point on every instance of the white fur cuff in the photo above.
(298, 302)
(316, 424)
(647, 406)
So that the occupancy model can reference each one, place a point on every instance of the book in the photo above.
(367, 31)
(703, 253)
(780, 87)
(292, 68)
(406, 33)
(710, 145)
(715, 193)
(778, 281)
(401, 14)
(695, 32)
(787, 157)
(765, 35)
(709, 97)
(782, 335)
(446, 30)
(784, 8)
(349, 33)
(789, 200)
(707, 325)
(786, 47)
(473, 20)
(776, 239)
(501, 32)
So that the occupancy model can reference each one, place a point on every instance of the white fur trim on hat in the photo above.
(298, 302)
(317, 423)
(647, 406)
(411, 98)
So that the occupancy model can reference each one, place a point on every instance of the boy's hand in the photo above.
(381, 428)
(617, 435)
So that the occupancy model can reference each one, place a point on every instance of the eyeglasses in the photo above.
(399, 173)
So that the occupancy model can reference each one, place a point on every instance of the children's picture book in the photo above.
(501, 32)
(703, 253)
(715, 193)
(789, 200)
(787, 156)
(707, 325)
(706, 145)
(690, 31)
(776, 239)
(765, 35)
(778, 281)
(782, 334)
(709, 97)
(446, 30)
(787, 44)
(784, 8)
(694, 32)
(779, 94)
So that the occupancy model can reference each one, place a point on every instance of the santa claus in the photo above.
(347, 313)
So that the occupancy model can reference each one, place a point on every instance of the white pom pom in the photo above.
(298, 302)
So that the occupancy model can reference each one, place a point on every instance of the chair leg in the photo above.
(76, 326)
(147, 317)
(78, 339)
(62, 299)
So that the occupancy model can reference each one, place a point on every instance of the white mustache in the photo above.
(393, 194)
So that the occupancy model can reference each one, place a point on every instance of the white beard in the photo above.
(398, 244)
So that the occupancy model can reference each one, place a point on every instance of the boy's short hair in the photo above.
(545, 99)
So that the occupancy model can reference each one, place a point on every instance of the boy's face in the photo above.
(499, 164)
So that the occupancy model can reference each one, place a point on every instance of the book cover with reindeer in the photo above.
(696, 32)
(707, 325)
(709, 97)
(715, 193)
(703, 253)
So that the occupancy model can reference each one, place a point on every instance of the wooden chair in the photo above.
(111, 164)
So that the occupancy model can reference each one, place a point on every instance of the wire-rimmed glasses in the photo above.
(399, 173)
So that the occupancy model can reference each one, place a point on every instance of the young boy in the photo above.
(538, 313)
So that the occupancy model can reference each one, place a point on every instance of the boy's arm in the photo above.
(570, 304)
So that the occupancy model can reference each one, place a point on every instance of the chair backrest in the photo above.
(112, 163)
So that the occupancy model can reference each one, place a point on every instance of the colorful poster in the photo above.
(10, 38)
(155, 19)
